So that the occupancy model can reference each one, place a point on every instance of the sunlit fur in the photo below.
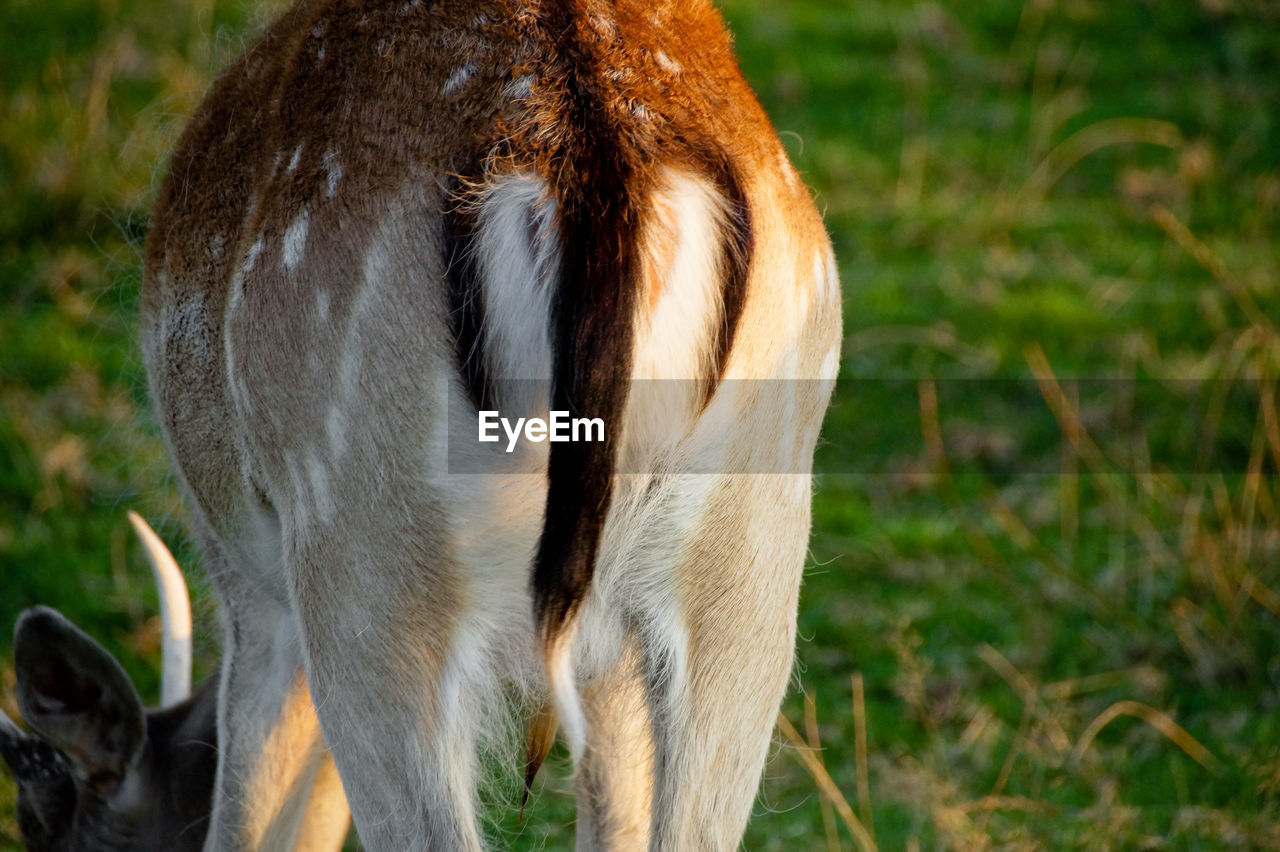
(379, 215)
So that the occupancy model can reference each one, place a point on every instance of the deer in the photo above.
(99, 772)
(388, 217)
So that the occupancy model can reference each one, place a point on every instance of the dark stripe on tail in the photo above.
(593, 312)
(600, 177)
(593, 173)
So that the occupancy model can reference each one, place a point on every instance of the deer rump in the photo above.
(385, 219)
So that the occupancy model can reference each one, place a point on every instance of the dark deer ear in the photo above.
(46, 793)
(75, 695)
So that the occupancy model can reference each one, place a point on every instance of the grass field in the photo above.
(1042, 608)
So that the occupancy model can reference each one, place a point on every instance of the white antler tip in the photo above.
(175, 614)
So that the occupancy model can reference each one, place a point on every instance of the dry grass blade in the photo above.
(1023, 537)
(993, 802)
(1027, 691)
(1213, 264)
(860, 753)
(931, 432)
(1261, 593)
(1153, 717)
(815, 743)
(826, 784)
(1271, 421)
(1069, 422)
(1095, 137)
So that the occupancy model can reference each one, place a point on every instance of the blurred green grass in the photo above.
(1017, 191)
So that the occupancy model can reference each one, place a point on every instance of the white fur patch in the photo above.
(351, 357)
(682, 251)
(833, 275)
(458, 78)
(251, 257)
(322, 306)
(788, 170)
(333, 170)
(295, 241)
(564, 691)
(517, 257)
(820, 277)
(520, 87)
(667, 63)
(335, 430)
(298, 485)
(295, 159)
(320, 493)
(603, 25)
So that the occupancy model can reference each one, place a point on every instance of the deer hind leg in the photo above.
(271, 751)
(327, 820)
(396, 676)
(614, 775)
(717, 675)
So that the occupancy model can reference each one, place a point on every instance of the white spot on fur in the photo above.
(349, 366)
(298, 484)
(217, 245)
(833, 275)
(335, 430)
(295, 241)
(334, 171)
(322, 306)
(641, 112)
(320, 493)
(295, 159)
(320, 53)
(820, 276)
(410, 6)
(789, 173)
(603, 25)
(520, 87)
(251, 257)
(242, 389)
(458, 78)
(667, 63)
(351, 358)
